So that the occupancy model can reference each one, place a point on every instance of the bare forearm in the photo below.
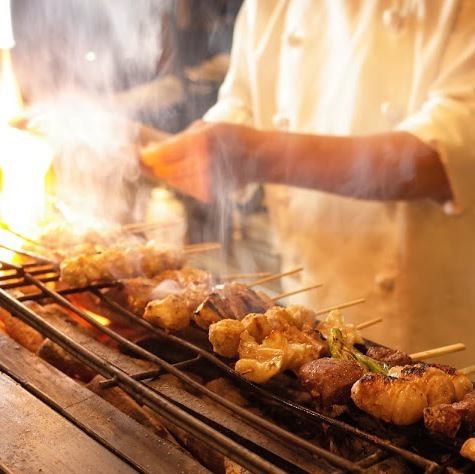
(389, 166)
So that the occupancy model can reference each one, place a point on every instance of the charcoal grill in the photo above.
(35, 272)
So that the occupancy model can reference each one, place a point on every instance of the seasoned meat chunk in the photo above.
(225, 336)
(443, 419)
(394, 400)
(330, 380)
(391, 357)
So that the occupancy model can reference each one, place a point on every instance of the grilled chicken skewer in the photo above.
(402, 396)
(120, 263)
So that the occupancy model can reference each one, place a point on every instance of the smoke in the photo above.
(73, 58)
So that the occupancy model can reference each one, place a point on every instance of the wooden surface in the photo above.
(147, 452)
(33, 438)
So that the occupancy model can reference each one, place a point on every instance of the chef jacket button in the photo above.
(281, 122)
(393, 20)
(385, 281)
(294, 39)
(391, 112)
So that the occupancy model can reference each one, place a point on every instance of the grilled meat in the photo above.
(468, 449)
(234, 301)
(329, 381)
(283, 349)
(351, 335)
(225, 336)
(174, 312)
(397, 396)
(393, 400)
(120, 263)
(391, 357)
(435, 383)
(140, 291)
(443, 419)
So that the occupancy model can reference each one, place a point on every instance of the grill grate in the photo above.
(35, 273)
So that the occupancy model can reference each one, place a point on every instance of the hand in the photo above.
(201, 161)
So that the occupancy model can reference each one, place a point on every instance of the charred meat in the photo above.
(120, 263)
(391, 357)
(329, 381)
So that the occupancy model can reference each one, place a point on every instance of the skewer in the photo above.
(367, 324)
(295, 292)
(438, 351)
(244, 276)
(138, 227)
(276, 276)
(205, 247)
(340, 306)
(467, 370)
(23, 237)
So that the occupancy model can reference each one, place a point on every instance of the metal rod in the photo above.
(141, 393)
(147, 374)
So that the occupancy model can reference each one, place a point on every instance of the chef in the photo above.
(359, 116)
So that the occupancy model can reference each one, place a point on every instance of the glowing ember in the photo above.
(103, 321)
(24, 157)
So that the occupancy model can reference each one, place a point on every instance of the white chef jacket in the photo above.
(346, 67)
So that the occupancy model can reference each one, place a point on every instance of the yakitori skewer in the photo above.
(296, 292)
(276, 276)
(340, 306)
(467, 370)
(244, 276)
(204, 247)
(367, 324)
(438, 351)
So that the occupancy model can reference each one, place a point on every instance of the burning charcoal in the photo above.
(25, 335)
(64, 361)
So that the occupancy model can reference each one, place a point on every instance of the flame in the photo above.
(24, 158)
(102, 320)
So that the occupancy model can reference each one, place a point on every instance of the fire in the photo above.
(103, 321)
(24, 157)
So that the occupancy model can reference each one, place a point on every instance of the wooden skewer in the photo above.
(340, 306)
(438, 351)
(467, 370)
(141, 226)
(243, 276)
(202, 248)
(370, 322)
(276, 276)
(295, 292)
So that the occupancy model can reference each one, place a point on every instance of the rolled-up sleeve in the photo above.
(234, 104)
(446, 121)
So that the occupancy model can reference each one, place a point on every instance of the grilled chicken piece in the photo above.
(174, 312)
(351, 335)
(225, 336)
(287, 348)
(120, 263)
(462, 383)
(466, 408)
(394, 400)
(468, 449)
(233, 301)
(435, 383)
(140, 291)
(443, 419)
(329, 381)
(391, 357)
(259, 326)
